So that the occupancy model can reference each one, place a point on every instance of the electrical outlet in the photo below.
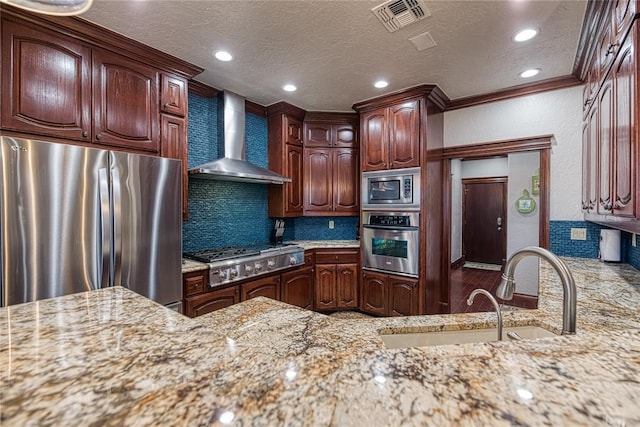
(578, 234)
(633, 239)
(331, 225)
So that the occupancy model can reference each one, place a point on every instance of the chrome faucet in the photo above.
(495, 304)
(507, 285)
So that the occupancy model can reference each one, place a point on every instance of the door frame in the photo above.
(541, 144)
(493, 180)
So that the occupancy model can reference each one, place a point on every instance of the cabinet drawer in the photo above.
(194, 282)
(342, 256)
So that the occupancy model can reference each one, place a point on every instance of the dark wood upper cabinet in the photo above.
(174, 145)
(391, 137)
(173, 96)
(46, 83)
(125, 97)
(286, 158)
(375, 140)
(331, 165)
(605, 145)
(625, 172)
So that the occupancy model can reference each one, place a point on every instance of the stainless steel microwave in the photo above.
(391, 189)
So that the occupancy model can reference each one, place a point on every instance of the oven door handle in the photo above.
(391, 229)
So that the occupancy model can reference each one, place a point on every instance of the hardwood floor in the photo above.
(465, 280)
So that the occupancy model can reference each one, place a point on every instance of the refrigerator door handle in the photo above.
(105, 225)
(117, 227)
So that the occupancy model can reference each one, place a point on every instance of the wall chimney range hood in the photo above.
(233, 166)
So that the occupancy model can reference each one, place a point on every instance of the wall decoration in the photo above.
(535, 183)
(525, 204)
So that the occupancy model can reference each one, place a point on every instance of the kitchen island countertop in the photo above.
(113, 357)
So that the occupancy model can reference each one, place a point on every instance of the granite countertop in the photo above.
(189, 265)
(111, 357)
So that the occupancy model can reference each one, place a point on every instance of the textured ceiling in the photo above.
(334, 50)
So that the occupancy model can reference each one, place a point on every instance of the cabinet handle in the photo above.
(85, 134)
(99, 136)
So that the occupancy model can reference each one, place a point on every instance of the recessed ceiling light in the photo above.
(381, 83)
(530, 73)
(290, 88)
(525, 35)
(223, 55)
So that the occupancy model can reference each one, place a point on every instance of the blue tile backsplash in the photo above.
(223, 213)
(562, 245)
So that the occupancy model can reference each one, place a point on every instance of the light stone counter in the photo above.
(320, 244)
(111, 357)
(189, 265)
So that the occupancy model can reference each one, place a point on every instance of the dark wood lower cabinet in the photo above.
(297, 287)
(374, 293)
(336, 286)
(268, 287)
(212, 301)
(389, 295)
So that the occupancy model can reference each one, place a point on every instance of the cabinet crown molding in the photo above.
(285, 108)
(430, 92)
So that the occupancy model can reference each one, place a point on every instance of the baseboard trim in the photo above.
(457, 263)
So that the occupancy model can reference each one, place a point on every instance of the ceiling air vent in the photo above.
(395, 14)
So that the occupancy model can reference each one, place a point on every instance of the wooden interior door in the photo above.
(484, 225)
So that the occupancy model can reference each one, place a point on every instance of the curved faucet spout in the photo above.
(495, 305)
(507, 285)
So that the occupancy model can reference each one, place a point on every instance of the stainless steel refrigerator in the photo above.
(74, 219)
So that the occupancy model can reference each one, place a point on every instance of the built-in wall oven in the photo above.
(390, 242)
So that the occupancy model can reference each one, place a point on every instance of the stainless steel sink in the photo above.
(424, 339)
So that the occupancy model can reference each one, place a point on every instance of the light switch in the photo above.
(332, 225)
(633, 239)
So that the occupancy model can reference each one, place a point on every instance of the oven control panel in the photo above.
(391, 220)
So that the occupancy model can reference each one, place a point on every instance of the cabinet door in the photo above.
(294, 190)
(346, 176)
(297, 287)
(174, 146)
(46, 83)
(623, 14)
(318, 180)
(317, 134)
(174, 95)
(211, 301)
(125, 100)
(605, 145)
(606, 51)
(347, 285)
(404, 135)
(585, 167)
(344, 135)
(593, 160)
(626, 144)
(403, 296)
(325, 287)
(293, 130)
(374, 294)
(375, 140)
(268, 287)
(194, 282)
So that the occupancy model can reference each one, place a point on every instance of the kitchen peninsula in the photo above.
(111, 357)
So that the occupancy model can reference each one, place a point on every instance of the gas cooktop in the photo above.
(229, 264)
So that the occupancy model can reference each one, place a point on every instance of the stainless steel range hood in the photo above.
(233, 166)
